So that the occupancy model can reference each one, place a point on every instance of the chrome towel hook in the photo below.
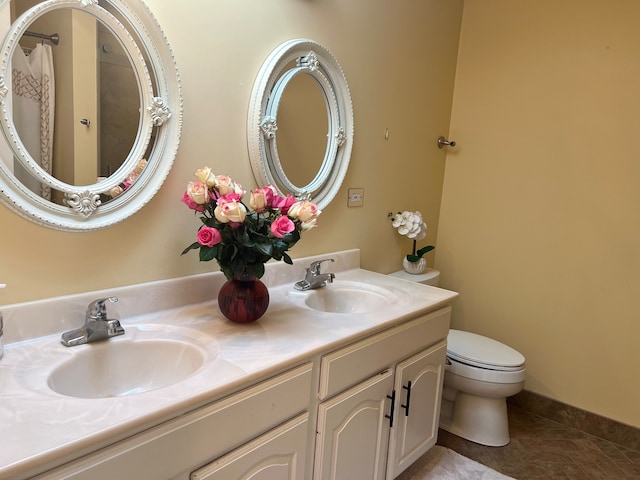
(444, 142)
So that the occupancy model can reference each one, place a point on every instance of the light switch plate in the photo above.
(355, 197)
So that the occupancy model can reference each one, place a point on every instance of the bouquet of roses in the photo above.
(240, 238)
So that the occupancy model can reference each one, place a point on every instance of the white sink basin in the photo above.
(349, 297)
(120, 367)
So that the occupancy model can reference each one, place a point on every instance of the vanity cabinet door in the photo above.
(276, 455)
(353, 432)
(418, 386)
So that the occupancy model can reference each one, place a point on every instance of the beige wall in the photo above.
(399, 58)
(539, 225)
(540, 228)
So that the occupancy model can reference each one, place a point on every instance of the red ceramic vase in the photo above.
(243, 300)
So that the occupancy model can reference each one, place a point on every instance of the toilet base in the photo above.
(479, 419)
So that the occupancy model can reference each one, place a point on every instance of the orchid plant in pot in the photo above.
(411, 225)
(243, 238)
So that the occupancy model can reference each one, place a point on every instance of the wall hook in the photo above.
(444, 142)
(86, 122)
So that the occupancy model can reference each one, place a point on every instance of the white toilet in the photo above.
(479, 376)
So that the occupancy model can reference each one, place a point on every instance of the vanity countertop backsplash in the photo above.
(41, 427)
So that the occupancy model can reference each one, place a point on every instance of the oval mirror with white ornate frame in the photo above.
(288, 61)
(83, 207)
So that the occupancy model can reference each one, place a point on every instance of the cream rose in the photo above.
(206, 176)
(198, 192)
(260, 199)
(304, 226)
(230, 210)
(115, 191)
(141, 166)
(224, 184)
(304, 210)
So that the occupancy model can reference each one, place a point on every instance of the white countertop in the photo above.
(41, 427)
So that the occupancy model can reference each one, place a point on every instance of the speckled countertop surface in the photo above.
(41, 427)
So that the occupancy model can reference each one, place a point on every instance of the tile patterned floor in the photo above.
(542, 449)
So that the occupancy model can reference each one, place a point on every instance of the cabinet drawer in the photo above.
(279, 453)
(195, 438)
(349, 365)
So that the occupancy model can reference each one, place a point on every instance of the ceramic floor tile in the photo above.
(541, 449)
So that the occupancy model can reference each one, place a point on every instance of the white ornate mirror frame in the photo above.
(161, 110)
(315, 60)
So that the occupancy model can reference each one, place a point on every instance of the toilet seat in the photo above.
(480, 374)
(482, 352)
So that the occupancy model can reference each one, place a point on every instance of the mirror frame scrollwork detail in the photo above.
(276, 73)
(161, 108)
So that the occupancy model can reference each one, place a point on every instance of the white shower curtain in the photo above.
(33, 110)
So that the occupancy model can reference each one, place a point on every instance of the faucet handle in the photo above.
(97, 309)
(314, 268)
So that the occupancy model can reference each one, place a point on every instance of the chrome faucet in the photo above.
(96, 326)
(315, 279)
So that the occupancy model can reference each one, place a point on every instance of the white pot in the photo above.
(414, 268)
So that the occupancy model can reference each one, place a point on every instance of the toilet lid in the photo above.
(482, 352)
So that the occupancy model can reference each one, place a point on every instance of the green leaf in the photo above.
(420, 253)
(258, 270)
(265, 248)
(292, 237)
(228, 252)
(193, 246)
(287, 259)
(208, 253)
(424, 250)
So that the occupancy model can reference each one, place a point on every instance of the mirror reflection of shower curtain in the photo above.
(33, 111)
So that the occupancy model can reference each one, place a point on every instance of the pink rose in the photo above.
(231, 197)
(273, 196)
(186, 199)
(229, 209)
(284, 203)
(281, 226)
(208, 236)
(133, 176)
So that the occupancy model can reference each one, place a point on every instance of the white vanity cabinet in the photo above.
(175, 449)
(301, 395)
(365, 410)
(378, 427)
